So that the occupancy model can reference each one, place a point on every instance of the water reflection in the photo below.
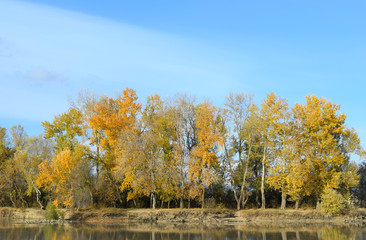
(149, 232)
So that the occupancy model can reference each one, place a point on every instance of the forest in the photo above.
(178, 153)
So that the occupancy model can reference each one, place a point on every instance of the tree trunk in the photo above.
(244, 202)
(257, 199)
(12, 201)
(318, 204)
(181, 205)
(238, 203)
(97, 163)
(237, 199)
(264, 235)
(91, 197)
(297, 235)
(203, 197)
(297, 203)
(38, 194)
(284, 235)
(262, 183)
(153, 196)
(162, 203)
(134, 202)
(168, 204)
(283, 201)
(242, 192)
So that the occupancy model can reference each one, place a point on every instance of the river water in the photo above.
(152, 232)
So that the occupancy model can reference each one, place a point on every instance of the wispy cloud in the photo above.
(65, 51)
(40, 77)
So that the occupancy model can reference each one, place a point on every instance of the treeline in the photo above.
(107, 151)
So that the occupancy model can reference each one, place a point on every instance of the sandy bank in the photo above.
(191, 216)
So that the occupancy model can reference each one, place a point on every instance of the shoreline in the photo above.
(204, 217)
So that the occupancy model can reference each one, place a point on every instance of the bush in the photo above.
(333, 202)
(61, 214)
(51, 212)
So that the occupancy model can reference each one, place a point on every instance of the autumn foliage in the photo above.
(113, 151)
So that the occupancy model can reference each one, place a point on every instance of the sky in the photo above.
(51, 50)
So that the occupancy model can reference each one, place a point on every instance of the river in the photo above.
(67, 231)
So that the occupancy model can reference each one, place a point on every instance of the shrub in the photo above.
(333, 202)
(51, 212)
(61, 214)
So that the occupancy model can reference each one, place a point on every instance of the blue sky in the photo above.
(50, 50)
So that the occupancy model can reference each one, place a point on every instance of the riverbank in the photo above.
(190, 216)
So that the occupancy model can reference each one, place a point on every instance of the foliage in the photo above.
(205, 158)
(238, 129)
(270, 125)
(333, 202)
(112, 151)
(51, 212)
(63, 174)
(64, 129)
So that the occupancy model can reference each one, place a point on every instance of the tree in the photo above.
(242, 114)
(66, 175)
(64, 129)
(27, 161)
(204, 154)
(18, 136)
(324, 135)
(271, 121)
(111, 118)
(183, 115)
(142, 153)
(6, 150)
(11, 184)
(360, 191)
(86, 103)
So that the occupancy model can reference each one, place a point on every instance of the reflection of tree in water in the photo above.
(329, 233)
(151, 232)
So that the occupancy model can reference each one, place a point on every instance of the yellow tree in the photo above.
(109, 119)
(86, 103)
(270, 125)
(65, 175)
(204, 154)
(289, 171)
(114, 115)
(164, 125)
(324, 135)
(64, 129)
(28, 158)
(20, 156)
(143, 153)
